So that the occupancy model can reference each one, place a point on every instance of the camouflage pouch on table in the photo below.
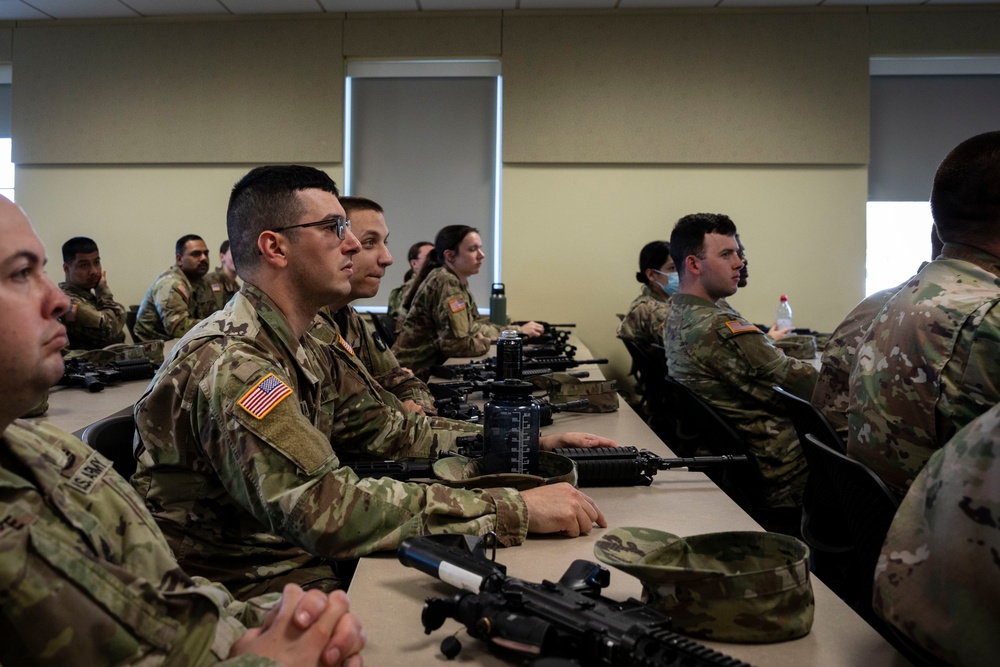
(748, 587)
(152, 350)
(466, 473)
(798, 346)
(565, 388)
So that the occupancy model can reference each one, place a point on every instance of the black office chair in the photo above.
(649, 368)
(823, 526)
(130, 317)
(385, 326)
(113, 437)
(702, 430)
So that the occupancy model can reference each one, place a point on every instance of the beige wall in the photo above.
(576, 207)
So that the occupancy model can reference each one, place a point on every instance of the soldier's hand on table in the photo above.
(413, 406)
(307, 628)
(561, 508)
(777, 333)
(532, 329)
(574, 439)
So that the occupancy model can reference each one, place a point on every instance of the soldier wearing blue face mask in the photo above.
(643, 323)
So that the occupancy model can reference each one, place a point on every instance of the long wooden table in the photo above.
(388, 597)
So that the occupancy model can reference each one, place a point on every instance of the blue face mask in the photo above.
(673, 282)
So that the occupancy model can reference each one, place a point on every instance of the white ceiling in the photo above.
(77, 9)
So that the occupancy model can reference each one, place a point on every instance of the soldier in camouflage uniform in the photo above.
(94, 319)
(243, 427)
(936, 580)
(442, 319)
(417, 255)
(926, 367)
(86, 577)
(729, 362)
(176, 301)
(643, 323)
(221, 283)
(368, 225)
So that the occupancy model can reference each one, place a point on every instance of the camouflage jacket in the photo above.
(94, 319)
(732, 364)
(926, 367)
(442, 322)
(397, 296)
(830, 395)
(86, 577)
(645, 318)
(374, 355)
(219, 287)
(936, 580)
(242, 429)
(172, 306)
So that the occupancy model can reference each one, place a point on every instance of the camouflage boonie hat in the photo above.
(798, 346)
(466, 473)
(747, 587)
(564, 388)
(152, 350)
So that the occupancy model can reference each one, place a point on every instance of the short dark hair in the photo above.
(224, 247)
(351, 204)
(449, 238)
(965, 198)
(652, 256)
(183, 241)
(688, 236)
(413, 253)
(265, 198)
(78, 245)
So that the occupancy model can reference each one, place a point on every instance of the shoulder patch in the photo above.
(84, 478)
(182, 288)
(264, 396)
(741, 326)
(379, 343)
(216, 287)
(70, 315)
(457, 305)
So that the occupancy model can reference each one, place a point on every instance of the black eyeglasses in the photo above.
(336, 224)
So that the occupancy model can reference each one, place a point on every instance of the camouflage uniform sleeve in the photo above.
(386, 371)
(95, 325)
(935, 580)
(457, 327)
(284, 471)
(173, 299)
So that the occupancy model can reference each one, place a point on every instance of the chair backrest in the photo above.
(649, 368)
(130, 317)
(806, 418)
(113, 437)
(867, 506)
(701, 429)
(385, 325)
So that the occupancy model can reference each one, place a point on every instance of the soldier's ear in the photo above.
(271, 247)
(692, 264)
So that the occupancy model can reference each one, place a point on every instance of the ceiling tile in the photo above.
(176, 7)
(646, 4)
(468, 4)
(272, 6)
(769, 3)
(81, 9)
(14, 10)
(567, 4)
(369, 5)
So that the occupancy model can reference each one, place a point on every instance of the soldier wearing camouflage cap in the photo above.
(926, 366)
(244, 426)
(86, 577)
(94, 319)
(177, 300)
(728, 361)
(936, 579)
(368, 224)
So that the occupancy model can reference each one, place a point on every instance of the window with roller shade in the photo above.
(6, 166)
(921, 108)
(423, 140)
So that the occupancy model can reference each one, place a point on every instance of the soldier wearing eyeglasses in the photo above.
(243, 427)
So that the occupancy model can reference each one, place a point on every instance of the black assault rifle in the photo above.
(597, 466)
(93, 378)
(567, 619)
(486, 369)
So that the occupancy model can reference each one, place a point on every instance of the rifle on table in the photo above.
(93, 378)
(486, 369)
(597, 466)
(565, 619)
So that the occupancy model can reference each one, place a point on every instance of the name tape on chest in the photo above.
(15, 520)
(457, 305)
(265, 396)
(741, 327)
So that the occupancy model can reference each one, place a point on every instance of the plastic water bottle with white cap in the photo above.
(783, 317)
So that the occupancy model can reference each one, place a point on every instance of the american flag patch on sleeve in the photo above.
(456, 305)
(264, 396)
(741, 326)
